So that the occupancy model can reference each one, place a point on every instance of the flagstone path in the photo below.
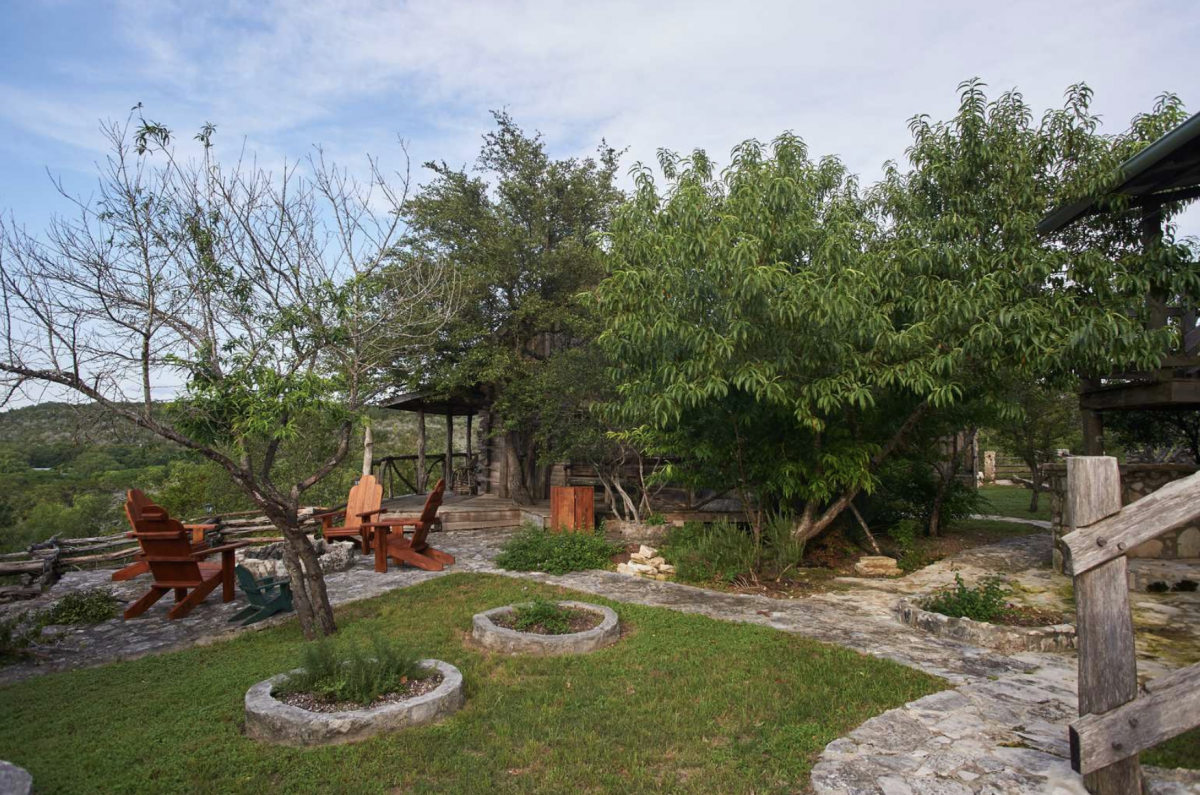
(1001, 730)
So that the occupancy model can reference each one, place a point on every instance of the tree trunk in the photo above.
(1036, 473)
(518, 469)
(309, 596)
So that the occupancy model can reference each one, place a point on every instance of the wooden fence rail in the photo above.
(1116, 723)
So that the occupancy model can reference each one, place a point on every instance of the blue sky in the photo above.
(281, 76)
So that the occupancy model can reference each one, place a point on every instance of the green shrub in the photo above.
(904, 535)
(725, 551)
(541, 611)
(537, 549)
(655, 520)
(353, 672)
(81, 607)
(984, 602)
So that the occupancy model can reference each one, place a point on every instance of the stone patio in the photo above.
(1001, 730)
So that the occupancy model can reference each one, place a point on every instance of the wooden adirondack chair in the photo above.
(177, 566)
(266, 596)
(365, 499)
(413, 551)
(135, 501)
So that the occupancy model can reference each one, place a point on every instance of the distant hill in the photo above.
(88, 426)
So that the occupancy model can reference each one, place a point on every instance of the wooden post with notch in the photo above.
(420, 451)
(1104, 623)
(448, 463)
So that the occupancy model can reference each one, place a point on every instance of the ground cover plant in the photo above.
(20, 633)
(683, 704)
(537, 549)
(355, 672)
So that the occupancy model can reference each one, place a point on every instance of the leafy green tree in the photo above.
(1047, 419)
(270, 302)
(774, 304)
(519, 234)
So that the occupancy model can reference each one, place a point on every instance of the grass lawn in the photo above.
(1014, 501)
(682, 704)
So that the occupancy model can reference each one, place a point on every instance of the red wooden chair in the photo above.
(365, 499)
(413, 551)
(135, 502)
(178, 566)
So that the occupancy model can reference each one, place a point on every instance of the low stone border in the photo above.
(1057, 638)
(271, 721)
(490, 635)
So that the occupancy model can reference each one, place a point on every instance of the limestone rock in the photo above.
(14, 780)
(877, 566)
(647, 552)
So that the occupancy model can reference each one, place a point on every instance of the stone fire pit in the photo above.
(272, 721)
(489, 634)
(267, 560)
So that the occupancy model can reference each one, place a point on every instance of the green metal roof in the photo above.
(1167, 170)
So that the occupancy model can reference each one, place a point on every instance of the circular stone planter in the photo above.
(1056, 638)
(490, 635)
(271, 721)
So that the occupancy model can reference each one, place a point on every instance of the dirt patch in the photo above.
(577, 621)
(1025, 616)
(409, 688)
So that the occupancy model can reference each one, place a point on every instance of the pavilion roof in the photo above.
(459, 404)
(1166, 171)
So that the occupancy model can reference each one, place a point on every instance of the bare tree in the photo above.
(224, 309)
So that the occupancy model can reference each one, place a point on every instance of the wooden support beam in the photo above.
(420, 451)
(1093, 426)
(1170, 706)
(1104, 624)
(473, 485)
(1175, 504)
(448, 461)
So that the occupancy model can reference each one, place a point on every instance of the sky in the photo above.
(279, 76)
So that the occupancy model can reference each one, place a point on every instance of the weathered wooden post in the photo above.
(1107, 658)
(472, 485)
(448, 464)
(420, 451)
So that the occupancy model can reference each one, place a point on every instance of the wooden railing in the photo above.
(1116, 723)
(388, 471)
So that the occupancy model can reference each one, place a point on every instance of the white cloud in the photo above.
(676, 74)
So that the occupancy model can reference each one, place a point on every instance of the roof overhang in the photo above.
(1166, 171)
(459, 404)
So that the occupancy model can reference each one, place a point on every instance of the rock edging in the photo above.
(493, 636)
(1055, 638)
(272, 721)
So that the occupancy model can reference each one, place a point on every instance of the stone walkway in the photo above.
(1001, 730)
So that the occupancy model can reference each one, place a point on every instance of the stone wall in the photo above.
(1137, 480)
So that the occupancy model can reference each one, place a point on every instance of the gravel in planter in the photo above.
(488, 631)
(273, 720)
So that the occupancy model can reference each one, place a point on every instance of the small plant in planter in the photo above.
(545, 617)
(348, 693)
(987, 602)
(333, 679)
(543, 626)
